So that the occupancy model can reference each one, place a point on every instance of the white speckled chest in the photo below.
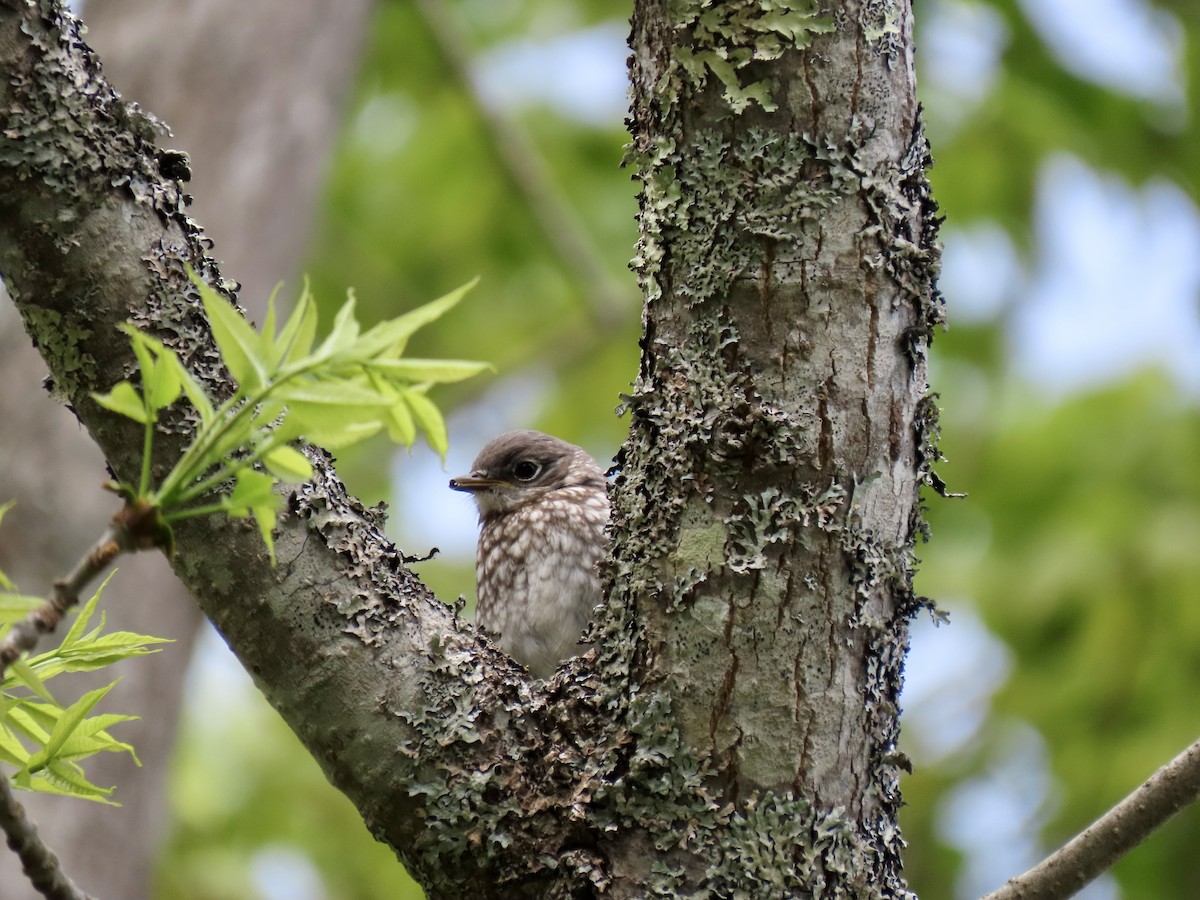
(548, 551)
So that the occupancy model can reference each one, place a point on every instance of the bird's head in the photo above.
(520, 467)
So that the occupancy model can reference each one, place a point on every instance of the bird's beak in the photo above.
(472, 483)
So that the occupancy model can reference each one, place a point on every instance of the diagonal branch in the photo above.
(1092, 852)
(38, 860)
(430, 731)
(118, 538)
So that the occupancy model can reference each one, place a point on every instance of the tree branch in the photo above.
(733, 730)
(124, 534)
(431, 732)
(1095, 850)
(37, 860)
(523, 164)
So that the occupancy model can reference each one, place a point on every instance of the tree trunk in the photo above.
(767, 507)
(732, 732)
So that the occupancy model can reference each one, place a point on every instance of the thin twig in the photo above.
(39, 862)
(24, 635)
(1066, 871)
(127, 531)
(610, 304)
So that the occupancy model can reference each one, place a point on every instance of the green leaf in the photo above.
(84, 616)
(163, 385)
(264, 517)
(236, 339)
(430, 419)
(66, 779)
(159, 378)
(32, 720)
(440, 371)
(125, 400)
(333, 414)
(15, 607)
(94, 653)
(12, 751)
(401, 427)
(288, 464)
(252, 488)
(296, 339)
(91, 737)
(72, 716)
(5, 581)
(25, 675)
(331, 394)
(333, 434)
(195, 393)
(390, 337)
(343, 333)
(267, 332)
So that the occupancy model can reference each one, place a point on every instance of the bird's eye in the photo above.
(526, 470)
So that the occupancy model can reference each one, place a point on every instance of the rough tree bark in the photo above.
(258, 118)
(732, 733)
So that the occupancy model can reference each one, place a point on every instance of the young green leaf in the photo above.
(267, 332)
(15, 607)
(439, 371)
(430, 420)
(12, 751)
(296, 339)
(401, 427)
(163, 385)
(252, 489)
(63, 778)
(84, 616)
(25, 675)
(390, 337)
(342, 335)
(67, 723)
(264, 517)
(241, 349)
(191, 388)
(288, 464)
(159, 378)
(5, 581)
(126, 401)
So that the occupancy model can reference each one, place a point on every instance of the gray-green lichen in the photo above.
(724, 476)
(92, 176)
(733, 197)
(882, 23)
(484, 780)
(61, 341)
(60, 105)
(725, 38)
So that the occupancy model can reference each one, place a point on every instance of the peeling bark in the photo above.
(732, 732)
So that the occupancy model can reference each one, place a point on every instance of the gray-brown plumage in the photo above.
(543, 505)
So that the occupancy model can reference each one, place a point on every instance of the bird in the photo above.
(543, 508)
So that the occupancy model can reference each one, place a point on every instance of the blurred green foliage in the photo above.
(1079, 543)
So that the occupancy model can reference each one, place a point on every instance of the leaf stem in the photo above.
(191, 512)
(147, 445)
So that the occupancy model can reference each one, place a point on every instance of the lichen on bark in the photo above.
(732, 732)
(768, 493)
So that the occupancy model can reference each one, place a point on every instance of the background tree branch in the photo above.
(1095, 850)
